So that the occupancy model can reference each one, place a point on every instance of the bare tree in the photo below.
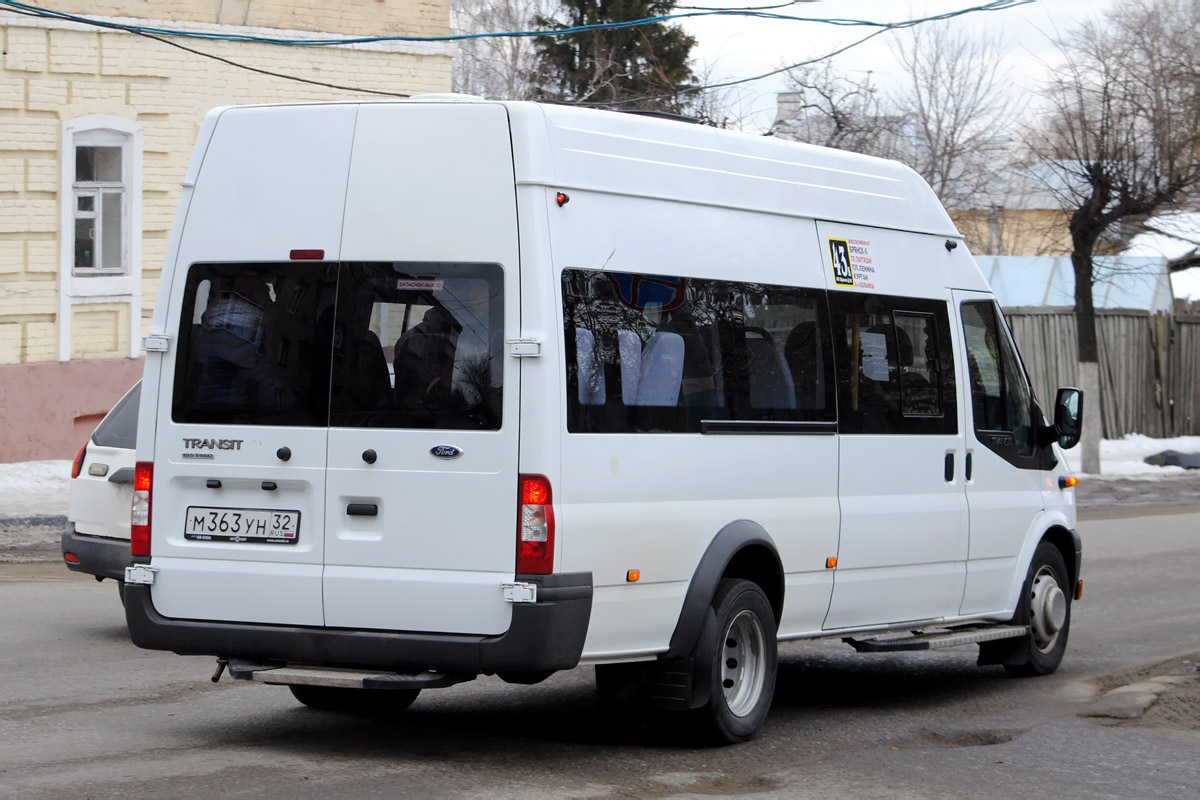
(947, 120)
(499, 68)
(827, 108)
(957, 104)
(1121, 143)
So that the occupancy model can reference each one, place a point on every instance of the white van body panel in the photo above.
(428, 183)
(422, 181)
(260, 192)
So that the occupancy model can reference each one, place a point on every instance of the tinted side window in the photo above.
(418, 346)
(119, 426)
(254, 344)
(667, 354)
(895, 364)
(1001, 401)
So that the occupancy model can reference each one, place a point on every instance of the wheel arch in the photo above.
(742, 549)
(1056, 529)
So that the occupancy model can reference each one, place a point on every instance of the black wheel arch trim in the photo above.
(697, 603)
(546, 635)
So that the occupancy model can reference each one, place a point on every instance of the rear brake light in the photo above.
(535, 527)
(139, 519)
(77, 466)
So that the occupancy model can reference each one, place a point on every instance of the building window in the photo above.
(100, 227)
(100, 199)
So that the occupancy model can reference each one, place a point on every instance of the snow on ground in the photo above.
(1123, 457)
(34, 488)
(40, 488)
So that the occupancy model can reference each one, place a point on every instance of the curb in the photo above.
(35, 520)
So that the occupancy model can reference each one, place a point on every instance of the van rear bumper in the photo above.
(546, 635)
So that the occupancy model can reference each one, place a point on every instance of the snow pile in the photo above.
(34, 488)
(1123, 457)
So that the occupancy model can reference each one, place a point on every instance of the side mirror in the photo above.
(1068, 417)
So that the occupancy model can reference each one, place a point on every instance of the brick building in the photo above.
(96, 129)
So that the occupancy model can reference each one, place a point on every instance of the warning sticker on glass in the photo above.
(419, 286)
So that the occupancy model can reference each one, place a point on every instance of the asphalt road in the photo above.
(85, 714)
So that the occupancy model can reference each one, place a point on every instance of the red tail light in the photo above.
(535, 527)
(78, 463)
(139, 529)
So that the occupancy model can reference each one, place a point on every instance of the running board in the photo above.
(345, 678)
(936, 639)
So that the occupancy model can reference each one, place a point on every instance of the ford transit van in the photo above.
(437, 388)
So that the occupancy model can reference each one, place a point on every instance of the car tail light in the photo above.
(535, 527)
(139, 519)
(77, 465)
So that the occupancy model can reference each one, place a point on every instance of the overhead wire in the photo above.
(165, 36)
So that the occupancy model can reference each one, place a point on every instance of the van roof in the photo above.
(582, 149)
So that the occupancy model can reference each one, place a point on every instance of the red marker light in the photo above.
(77, 465)
(307, 255)
(562, 199)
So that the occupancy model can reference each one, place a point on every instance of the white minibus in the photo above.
(447, 387)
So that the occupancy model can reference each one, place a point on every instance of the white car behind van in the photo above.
(437, 389)
(96, 540)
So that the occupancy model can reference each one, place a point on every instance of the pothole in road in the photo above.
(972, 738)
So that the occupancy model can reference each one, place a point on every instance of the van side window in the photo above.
(418, 346)
(651, 353)
(250, 342)
(895, 365)
(1001, 400)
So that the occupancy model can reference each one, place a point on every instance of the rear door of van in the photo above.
(241, 437)
(420, 514)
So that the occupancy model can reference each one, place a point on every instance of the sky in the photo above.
(735, 47)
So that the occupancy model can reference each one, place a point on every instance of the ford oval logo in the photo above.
(446, 451)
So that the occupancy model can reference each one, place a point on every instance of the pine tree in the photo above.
(644, 67)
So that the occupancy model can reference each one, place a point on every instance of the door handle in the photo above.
(362, 510)
(949, 472)
(968, 465)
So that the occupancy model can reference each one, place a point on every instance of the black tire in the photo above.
(372, 702)
(1046, 608)
(745, 657)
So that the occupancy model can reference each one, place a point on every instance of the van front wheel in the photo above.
(744, 662)
(375, 702)
(1046, 608)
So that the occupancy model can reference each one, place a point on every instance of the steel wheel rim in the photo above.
(743, 663)
(1047, 609)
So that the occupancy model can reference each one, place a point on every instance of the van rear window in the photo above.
(381, 345)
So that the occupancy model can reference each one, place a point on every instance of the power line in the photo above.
(992, 5)
(164, 36)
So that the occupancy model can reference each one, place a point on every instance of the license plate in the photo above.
(265, 525)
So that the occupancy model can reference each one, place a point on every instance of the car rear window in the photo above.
(119, 426)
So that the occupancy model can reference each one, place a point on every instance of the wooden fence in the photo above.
(1149, 366)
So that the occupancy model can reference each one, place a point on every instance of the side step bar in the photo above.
(345, 678)
(936, 639)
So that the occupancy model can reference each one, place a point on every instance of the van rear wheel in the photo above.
(745, 658)
(375, 702)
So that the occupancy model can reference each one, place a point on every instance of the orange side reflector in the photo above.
(633, 576)
(830, 562)
(1079, 590)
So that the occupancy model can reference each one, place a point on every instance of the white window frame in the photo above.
(94, 285)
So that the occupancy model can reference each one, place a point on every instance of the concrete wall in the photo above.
(54, 72)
